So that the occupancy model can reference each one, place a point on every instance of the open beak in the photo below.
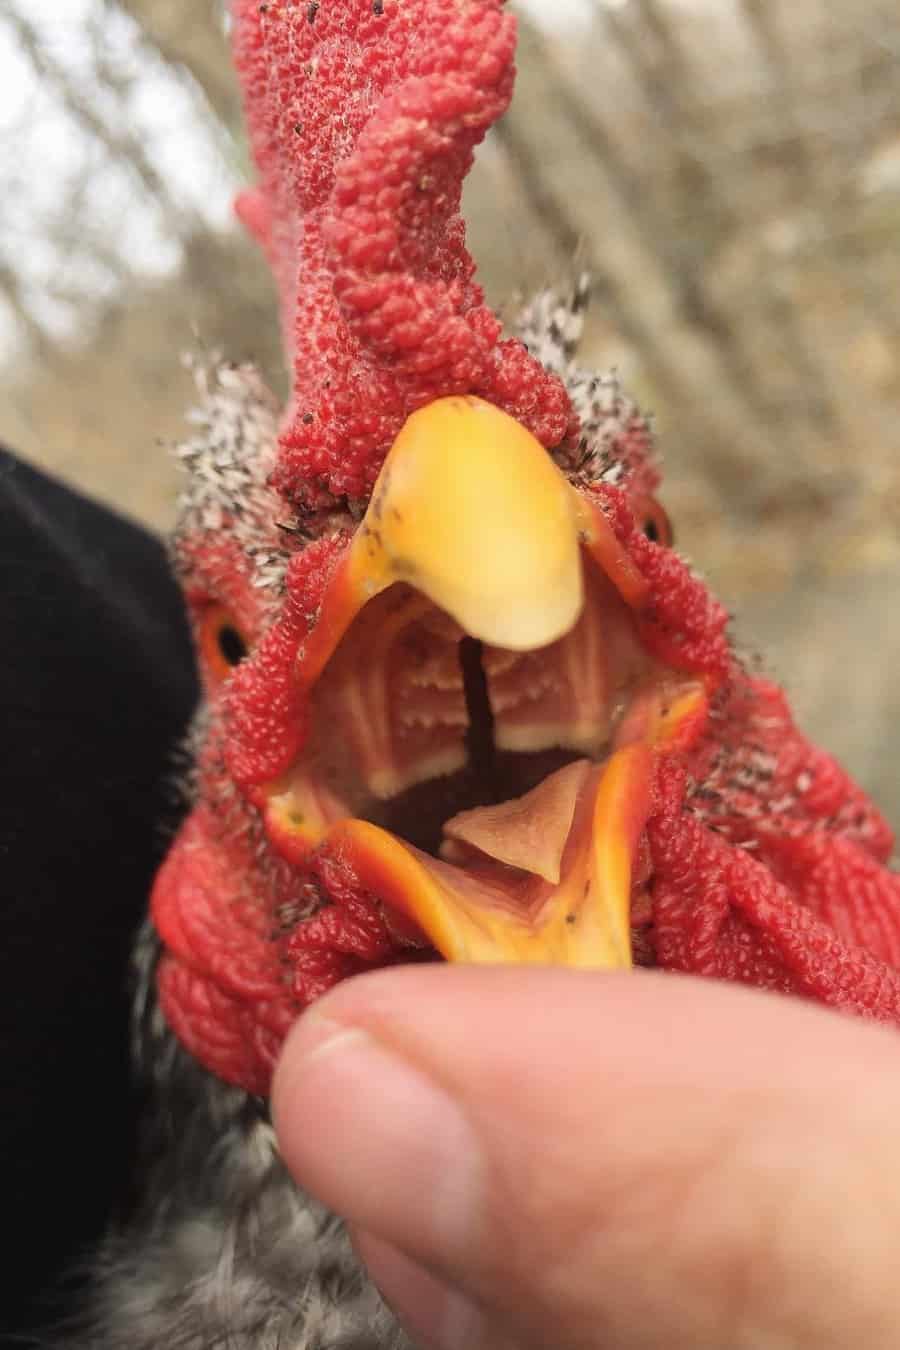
(472, 515)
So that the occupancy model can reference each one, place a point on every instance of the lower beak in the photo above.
(581, 919)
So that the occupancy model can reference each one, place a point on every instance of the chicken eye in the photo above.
(223, 643)
(654, 522)
(231, 645)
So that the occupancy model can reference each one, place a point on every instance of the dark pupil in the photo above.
(651, 530)
(231, 644)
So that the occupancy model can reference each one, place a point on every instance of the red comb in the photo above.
(363, 117)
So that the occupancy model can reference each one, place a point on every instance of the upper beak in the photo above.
(472, 512)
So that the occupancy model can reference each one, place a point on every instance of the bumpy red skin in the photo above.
(766, 862)
(363, 120)
(766, 859)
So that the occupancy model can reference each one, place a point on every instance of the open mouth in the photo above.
(484, 716)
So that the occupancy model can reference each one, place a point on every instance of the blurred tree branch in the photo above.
(15, 296)
(191, 36)
(669, 86)
(125, 148)
(638, 241)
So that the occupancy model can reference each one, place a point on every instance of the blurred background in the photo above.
(729, 170)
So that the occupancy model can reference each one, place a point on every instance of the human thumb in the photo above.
(538, 1157)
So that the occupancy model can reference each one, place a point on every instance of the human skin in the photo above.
(545, 1158)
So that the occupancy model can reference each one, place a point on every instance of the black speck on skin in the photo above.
(378, 8)
(306, 418)
(312, 10)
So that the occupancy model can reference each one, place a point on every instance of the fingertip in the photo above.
(375, 1138)
(620, 1144)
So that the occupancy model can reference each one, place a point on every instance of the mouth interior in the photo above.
(464, 751)
(420, 813)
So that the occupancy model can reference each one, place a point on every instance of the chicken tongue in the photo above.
(529, 833)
